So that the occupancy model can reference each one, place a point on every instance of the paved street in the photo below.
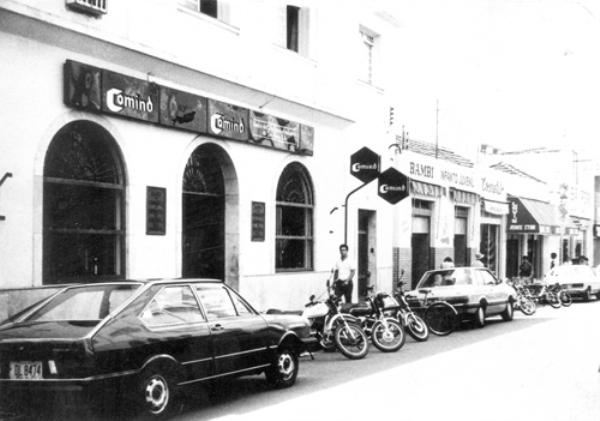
(543, 367)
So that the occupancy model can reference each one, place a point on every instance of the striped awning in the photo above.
(425, 189)
(464, 197)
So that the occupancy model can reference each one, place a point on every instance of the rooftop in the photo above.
(429, 149)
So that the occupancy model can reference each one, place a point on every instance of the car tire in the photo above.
(284, 369)
(509, 312)
(479, 317)
(156, 393)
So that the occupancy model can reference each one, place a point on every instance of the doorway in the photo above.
(420, 245)
(367, 241)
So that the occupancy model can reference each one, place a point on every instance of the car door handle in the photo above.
(216, 328)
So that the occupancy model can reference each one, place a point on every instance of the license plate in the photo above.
(26, 370)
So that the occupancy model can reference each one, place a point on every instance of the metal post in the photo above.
(346, 210)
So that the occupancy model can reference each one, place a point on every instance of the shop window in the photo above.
(84, 228)
(294, 220)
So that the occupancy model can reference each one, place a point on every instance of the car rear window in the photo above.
(446, 278)
(84, 303)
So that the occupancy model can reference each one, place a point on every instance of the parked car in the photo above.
(475, 293)
(578, 280)
(144, 340)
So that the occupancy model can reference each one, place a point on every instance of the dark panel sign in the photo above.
(365, 164)
(307, 139)
(129, 97)
(275, 132)
(519, 218)
(393, 186)
(258, 221)
(156, 210)
(182, 110)
(226, 120)
(82, 86)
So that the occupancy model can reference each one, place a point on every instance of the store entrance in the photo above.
(367, 265)
(203, 216)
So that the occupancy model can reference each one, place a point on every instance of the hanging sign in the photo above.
(393, 186)
(365, 164)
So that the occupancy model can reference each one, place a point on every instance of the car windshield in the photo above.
(84, 303)
(442, 278)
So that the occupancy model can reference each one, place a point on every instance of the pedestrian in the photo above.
(526, 269)
(343, 273)
(447, 263)
(553, 260)
(478, 263)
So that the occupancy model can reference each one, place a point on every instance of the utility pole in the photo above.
(437, 120)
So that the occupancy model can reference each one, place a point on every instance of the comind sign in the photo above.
(365, 164)
(393, 186)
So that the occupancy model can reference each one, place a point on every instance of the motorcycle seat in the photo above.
(356, 309)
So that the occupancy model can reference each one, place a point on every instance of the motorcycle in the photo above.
(387, 333)
(334, 329)
(413, 323)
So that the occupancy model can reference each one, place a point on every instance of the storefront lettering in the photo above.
(220, 123)
(491, 187)
(384, 188)
(356, 167)
(457, 179)
(116, 100)
(421, 170)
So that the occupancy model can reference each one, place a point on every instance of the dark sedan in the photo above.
(145, 340)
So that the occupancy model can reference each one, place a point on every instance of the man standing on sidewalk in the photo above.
(343, 273)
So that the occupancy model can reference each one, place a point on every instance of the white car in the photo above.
(579, 280)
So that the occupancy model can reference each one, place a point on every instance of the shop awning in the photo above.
(531, 216)
(464, 197)
(425, 189)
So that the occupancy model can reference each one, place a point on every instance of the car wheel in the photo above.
(508, 313)
(284, 369)
(156, 393)
(479, 319)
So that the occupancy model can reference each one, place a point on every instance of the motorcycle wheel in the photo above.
(527, 306)
(553, 300)
(389, 340)
(441, 318)
(351, 340)
(565, 298)
(417, 328)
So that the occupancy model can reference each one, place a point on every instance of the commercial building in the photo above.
(192, 138)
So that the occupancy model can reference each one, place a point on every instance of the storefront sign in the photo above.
(129, 97)
(307, 139)
(227, 120)
(82, 86)
(421, 170)
(392, 186)
(258, 221)
(275, 132)
(495, 208)
(365, 164)
(492, 187)
(156, 210)
(519, 218)
(182, 110)
(93, 89)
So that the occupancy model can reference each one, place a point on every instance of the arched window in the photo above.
(84, 191)
(294, 231)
